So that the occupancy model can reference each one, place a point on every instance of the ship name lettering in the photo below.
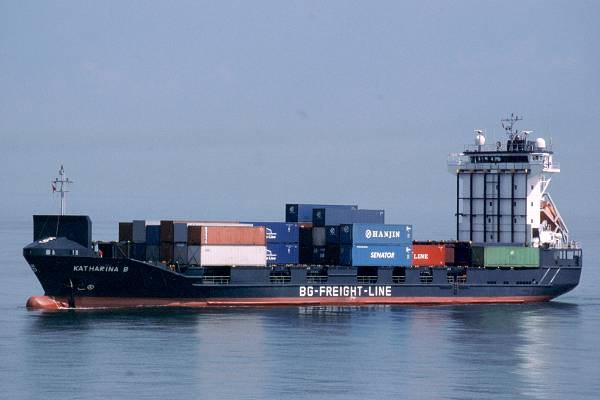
(97, 268)
(345, 291)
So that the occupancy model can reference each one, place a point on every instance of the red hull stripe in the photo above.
(56, 303)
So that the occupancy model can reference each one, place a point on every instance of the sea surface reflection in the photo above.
(500, 351)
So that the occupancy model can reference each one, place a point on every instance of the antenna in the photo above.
(59, 185)
(508, 125)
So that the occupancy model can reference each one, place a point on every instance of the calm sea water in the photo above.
(539, 351)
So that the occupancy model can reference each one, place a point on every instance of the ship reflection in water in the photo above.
(504, 351)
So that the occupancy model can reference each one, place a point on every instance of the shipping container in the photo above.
(166, 231)
(324, 217)
(377, 255)
(332, 254)
(429, 255)
(152, 252)
(77, 228)
(125, 232)
(458, 254)
(304, 212)
(193, 256)
(166, 251)
(375, 233)
(233, 235)
(280, 232)
(318, 236)
(506, 256)
(180, 233)
(123, 250)
(194, 235)
(153, 235)
(332, 234)
(305, 235)
(282, 253)
(194, 229)
(306, 255)
(139, 231)
(180, 253)
(222, 255)
(318, 256)
(138, 251)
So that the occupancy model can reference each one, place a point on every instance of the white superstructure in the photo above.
(502, 191)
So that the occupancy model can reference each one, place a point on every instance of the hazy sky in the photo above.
(231, 109)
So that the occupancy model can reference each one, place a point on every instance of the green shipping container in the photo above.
(506, 256)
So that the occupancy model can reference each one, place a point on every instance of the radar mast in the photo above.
(60, 185)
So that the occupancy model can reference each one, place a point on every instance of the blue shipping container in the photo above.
(304, 212)
(279, 232)
(375, 233)
(376, 255)
(282, 253)
(324, 217)
(153, 235)
(138, 251)
(332, 234)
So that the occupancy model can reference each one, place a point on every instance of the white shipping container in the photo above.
(233, 255)
(194, 255)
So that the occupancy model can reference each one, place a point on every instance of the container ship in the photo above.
(511, 246)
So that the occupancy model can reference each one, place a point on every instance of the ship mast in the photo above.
(60, 185)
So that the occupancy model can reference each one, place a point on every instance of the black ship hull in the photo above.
(80, 282)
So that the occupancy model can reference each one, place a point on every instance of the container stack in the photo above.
(138, 248)
(326, 230)
(166, 241)
(376, 245)
(153, 242)
(283, 242)
(233, 245)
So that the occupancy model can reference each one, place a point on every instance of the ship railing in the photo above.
(316, 278)
(216, 280)
(366, 279)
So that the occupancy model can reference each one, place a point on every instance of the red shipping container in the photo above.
(166, 231)
(234, 235)
(429, 255)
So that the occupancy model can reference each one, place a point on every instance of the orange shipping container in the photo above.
(429, 255)
(234, 235)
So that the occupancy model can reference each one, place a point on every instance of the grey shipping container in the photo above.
(180, 253)
(139, 231)
(193, 255)
(324, 216)
(180, 232)
(318, 236)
